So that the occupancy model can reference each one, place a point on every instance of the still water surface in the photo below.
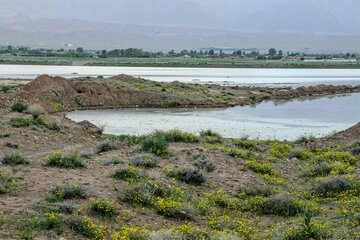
(268, 120)
(224, 76)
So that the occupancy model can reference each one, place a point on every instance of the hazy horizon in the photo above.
(231, 20)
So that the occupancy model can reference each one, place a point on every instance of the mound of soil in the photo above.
(60, 94)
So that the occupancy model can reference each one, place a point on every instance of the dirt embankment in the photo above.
(59, 94)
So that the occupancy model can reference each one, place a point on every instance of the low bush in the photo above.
(253, 191)
(204, 165)
(307, 230)
(209, 133)
(280, 150)
(145, 192)
(189, 176)
(4, 135)
(127, 173)
(53, 221)
(66, 191)
(260, 167)
(344, 157)
(323, 169)
(106, 146)
(245, 143)
(355, 151)
(221, 199)
(305, 139)
(103, 208)
(209, 136)
(20, 122)
(6, 183)
(57, 159)
(283, 205)
(231, 224)
(180, 136)
(332, 186)
(129, 138)
(11, 145)
(145, 160)
(172, 209)
(301, 155)
(36, 110)
(14, 159)
(19, 107)
(155, 143)
(114, 161)
(85, 227)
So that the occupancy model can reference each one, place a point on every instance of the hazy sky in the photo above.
(309, 17)
(258, 15)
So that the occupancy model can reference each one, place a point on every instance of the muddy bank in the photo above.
(58, 94)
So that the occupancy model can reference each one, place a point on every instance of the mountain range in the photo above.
(175, 24)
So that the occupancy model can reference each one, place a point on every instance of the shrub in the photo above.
(180, 136)
(226, 223)
(85, 227)
(64, 208)
(308, 230)
(189, 176)
(53, 221)
(56, 159)
(320, 169)
(253, 191)
(14, 159)
(20, 122)
(305, 139)
(171, 208)
(132, 233)
(11, 145)
(106, 146)
(103, 208)
(332, 186)
(301, 155)
(66, 191)
(245, 143)
(4, 135)
(205, 164)
(260, 167)
(285, 205)
(355, 151)
(188, 232)
(6, 183)
(338, 157)
(146, 160)
(129, 138)
(36, 110)
(209, 133)
(127, 173)
(156, 144)
(221, 199)
(113, 161)
(19, 107)
(143, 193)
(280, 150)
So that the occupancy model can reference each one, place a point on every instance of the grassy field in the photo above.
(173, 62)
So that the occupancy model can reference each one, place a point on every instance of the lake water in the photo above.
(224, 76)
(268, 120)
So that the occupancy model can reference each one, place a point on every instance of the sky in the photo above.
(230, 20)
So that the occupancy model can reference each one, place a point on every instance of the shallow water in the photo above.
(224, 76)
(268, 120)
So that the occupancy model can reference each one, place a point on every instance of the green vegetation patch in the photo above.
(57, 159)
(14, 159)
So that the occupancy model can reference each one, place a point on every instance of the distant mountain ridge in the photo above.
(175, 24)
